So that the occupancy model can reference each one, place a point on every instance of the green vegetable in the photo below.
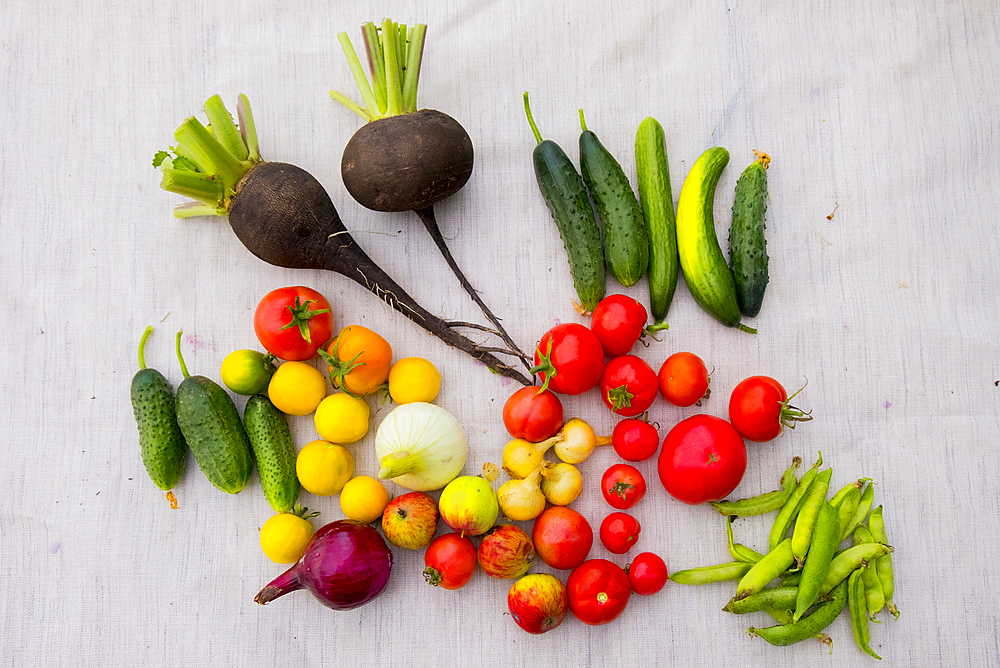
(775, 598)
(566, 196)
(883, 564)
(626, 244)
(747, 247)
(874, 595)
(211, 425)
(708, 574)
(705, 270)
(164, 451)
(807, 627)
(846, 562)
(859, 613)
(739, 551)
(817, 562)
(762, 503)
(271, 440)
(805, 522)
(786, 515)
(771, 565)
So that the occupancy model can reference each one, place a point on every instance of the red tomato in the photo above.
(623, 486)
(647, 573)
(635, 440)
(569, 359)
(450, 561)
(598, 591)
(628, 385)
(562, 537)
(619, 532)
(533, 414)
(683, 379)
(618, 321)
(293, 323)
(758, 408)
(703, 459)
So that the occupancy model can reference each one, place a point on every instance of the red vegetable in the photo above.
(647, 573)
(635, 440)
(293, 323)
(618, 321)
(450, 561)
(758, 409)
(569, 359)
(619, 532)
(623, 486)
(703, 459)
(598, 591)
(562, 537)
(628, 385)
(683, 379)
(533, 414)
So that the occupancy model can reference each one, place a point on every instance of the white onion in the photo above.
(420, 446)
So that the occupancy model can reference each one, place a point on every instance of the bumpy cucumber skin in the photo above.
(626, 244)
(164, 451)
(212, 427)
(657, 201)
(566, 197)
(747, 246)
(271, 440)
(705, 270)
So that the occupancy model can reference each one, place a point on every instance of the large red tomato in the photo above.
(703, 459)
(598, 591)
(533, 414)
(562, 537)
(758, 409)
(293, 323)
(569, 359)
(628, 385)
(618, 321)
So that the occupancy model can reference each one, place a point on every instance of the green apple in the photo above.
(410, 520)
(468, 504)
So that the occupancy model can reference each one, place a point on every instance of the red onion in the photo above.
(345, 565)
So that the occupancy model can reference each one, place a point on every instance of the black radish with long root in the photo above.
(285, 217)
(405, 159)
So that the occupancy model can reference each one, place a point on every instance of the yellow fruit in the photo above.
(284, 536)
(341, 418)
(413, 379)
(247, 372)
(323, 468)
(296, 388)
(364, 499)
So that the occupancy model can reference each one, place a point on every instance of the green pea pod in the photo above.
(817, 563)
(784, 617)
(859, 611)
(861, 512)
(874, 596)
(774, 598)
(807, 627)
(836, 499)
(709, 574)
(847, 561)
(846, 509)
(738, 551)
(806, 520)
(770, 567)
(786, 515)
(762, 503)
(883, 565)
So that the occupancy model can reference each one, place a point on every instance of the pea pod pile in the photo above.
(826, 554)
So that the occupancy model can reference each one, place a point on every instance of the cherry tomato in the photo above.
(758, 408)
(450, 561)
(628, 385)
(703, 459)
(569, 359)
(618, 321)
(598, 591)
(562, 537)
(623, 486)
(647, 573)
(293, 323)
(635, 440)
(619, 532)
(533, 414)
(683, 379)
(358, 360)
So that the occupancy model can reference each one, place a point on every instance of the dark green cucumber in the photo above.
(626, 244)
(747, 247)
(566, 196)
(164, 451)
(212, 427)
(271, 440)
(657, 202)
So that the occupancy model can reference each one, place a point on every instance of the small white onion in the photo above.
(420, 446)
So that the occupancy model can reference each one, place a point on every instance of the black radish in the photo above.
(285, 217)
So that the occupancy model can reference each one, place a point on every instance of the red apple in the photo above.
(562, 537)
(506, 552)
(538, 602)
(410, 520)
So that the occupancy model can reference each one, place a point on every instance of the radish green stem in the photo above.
(393, 85)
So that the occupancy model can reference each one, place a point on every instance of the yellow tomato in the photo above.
(341, 418)
(247, 372)
(323, 468)
(284, 536)
(413, 379)
(364, 499)
(359, 360)
(296, 388)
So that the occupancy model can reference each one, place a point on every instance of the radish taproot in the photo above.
(284, 216)
(405, 158)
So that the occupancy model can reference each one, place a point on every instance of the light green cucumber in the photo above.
(271, 440)
(747, 246)
(657, 201)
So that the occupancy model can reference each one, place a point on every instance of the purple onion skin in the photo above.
(345, 565)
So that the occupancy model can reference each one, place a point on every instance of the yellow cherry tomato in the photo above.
(341, 418)
(284, 536)
(296, 388)
(323, 468)
(413, 379)
(247, 372)
(358, 359)
(364, 499)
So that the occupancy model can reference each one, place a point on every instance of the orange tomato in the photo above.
(358, 360)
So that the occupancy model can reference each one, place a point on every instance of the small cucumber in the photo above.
(705, 270)
(747, 247)
(626, 244)
(657, 202)
(164, 451)
(211, 425)
(271, 440)
(566, 197)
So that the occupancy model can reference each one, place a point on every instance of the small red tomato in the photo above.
(450, 561)
(635, 440)
(623, 486)
(619, 532)
(628, 385)
(758, 408)
(293, 323)
(533, 414)
(703, 459)
(647, 573)
(683, 379)
(562, 537)
(598, 591)
(618, 321)
(569, 359)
